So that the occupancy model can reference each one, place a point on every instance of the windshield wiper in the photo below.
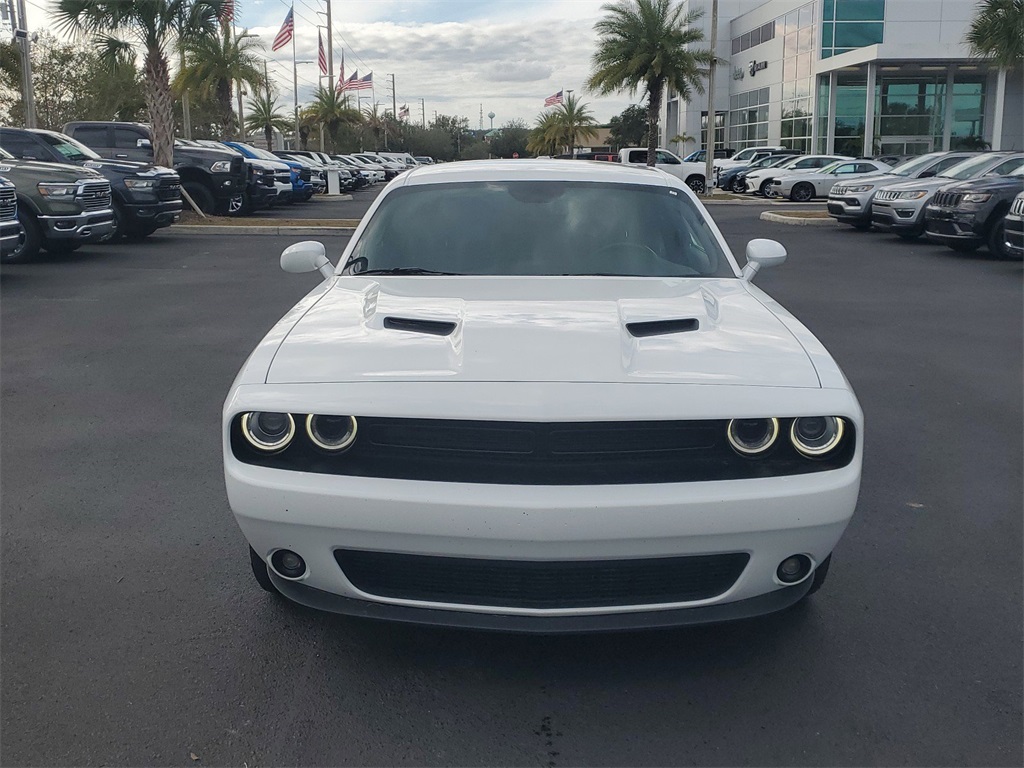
(402, 271)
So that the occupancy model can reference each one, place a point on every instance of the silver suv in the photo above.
(899, 208)
(850, 200)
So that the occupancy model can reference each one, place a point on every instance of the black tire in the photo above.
(737, 186)
(259, 570)
(120, 224)
(31, 239)
(766, 188)
(820, 574)
(201, 195)
(696, 183)
(995, 243)
(802, 193)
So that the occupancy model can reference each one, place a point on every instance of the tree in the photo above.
(997, 32)
(628, 129)
(431, 142)
(546, 135)
(331, 111)
(511, 140)
(214, 63)
(648, 44)
(121, 27)
(576, 121)
(457, 129)
(263, 116)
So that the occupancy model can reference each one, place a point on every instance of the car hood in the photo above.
(266, 165)
(49, 171)
(988, 184)
(541, 329)
(930, 184)
(126, 167)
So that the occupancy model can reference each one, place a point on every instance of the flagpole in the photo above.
(295, 81)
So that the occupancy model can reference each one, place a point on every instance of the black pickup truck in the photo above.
(967, 214)
(10, 227)
(211, 177)
(145, 197)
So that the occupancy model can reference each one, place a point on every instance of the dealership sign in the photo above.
(757, 66)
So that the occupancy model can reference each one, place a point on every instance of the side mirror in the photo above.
(762, 253)
(307, 256)
(143, 144)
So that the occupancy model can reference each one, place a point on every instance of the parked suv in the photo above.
(144, 197)
(968, 214)
(211, 177)
(1013, 229)
(693, 174)
(849, 201)
(10, 227)
(60, 207)
(899, 208)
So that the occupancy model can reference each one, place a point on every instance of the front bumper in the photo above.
(1013, 240)
(314, 515)
(10, 233)
(951, 225)
(226, 185)
(88, 227)
(849, 209)
(898, 216)
(157, 214)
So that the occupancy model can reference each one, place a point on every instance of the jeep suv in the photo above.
(213, 178)
(968, 214)
(145, 197)
(1013, 229)
(60, 207)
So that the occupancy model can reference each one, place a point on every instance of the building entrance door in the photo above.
(906, 145)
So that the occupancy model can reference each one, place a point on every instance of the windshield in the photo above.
(262, 153)
(5, 155)
(912, 166)
(789, 161)
(1019, 170)
(832, 166)
(968, 169)
(539, 228)
(69, 148)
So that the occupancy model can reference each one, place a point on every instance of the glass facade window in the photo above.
(850, 24)
(797, 81)
(719, 128)
(968, 114)
(748, 118)
(762, 34)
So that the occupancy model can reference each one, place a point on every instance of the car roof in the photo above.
(535, 170)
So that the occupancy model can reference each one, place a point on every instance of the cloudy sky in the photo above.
(456, 55)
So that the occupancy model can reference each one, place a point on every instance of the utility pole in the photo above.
(330, 48)
(709, 145)
(27, 94)
(394, 100)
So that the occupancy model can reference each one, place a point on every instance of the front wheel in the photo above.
(30, 240)
(120, 224)
(766, 188)
(200, 196)
(260, 571)
(696, 183)
(996, 240)
(802, 193)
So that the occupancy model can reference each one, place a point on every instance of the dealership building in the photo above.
(854, 77)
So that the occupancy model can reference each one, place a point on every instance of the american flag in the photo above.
(227, 11)
(284, 36)
(403, 113)
(322, 57)
(550, 101)
(349, 84)
(356, 83)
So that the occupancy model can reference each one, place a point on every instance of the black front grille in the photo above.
(8, 204)
(169, 190)
(283, 177)
(238, 165)
(527, 453)
(947, 199)
(1017, 208)
(305, 174)
(942, 227)
(95, 195)
(541, 583)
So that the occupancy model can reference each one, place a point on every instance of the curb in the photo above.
(796, 221)
(224, 229)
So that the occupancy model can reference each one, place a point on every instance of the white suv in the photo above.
(691, 173)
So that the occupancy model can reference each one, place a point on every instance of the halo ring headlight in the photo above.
(751, 437)
(268, 431)
(331, 433)
(815, 436)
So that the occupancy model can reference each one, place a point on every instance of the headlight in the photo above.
(914, 194)
(140, 183)
(268, 431)
(221, 166)
(815, 436)
(56, 189)
(752, 436)
(860, 188)
(976, 197)
(332, 433)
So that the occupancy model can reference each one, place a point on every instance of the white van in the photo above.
(691, 173)
(402, 157)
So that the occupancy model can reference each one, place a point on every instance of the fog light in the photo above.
(288, 564)
(793, 569)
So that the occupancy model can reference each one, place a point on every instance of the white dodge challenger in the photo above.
(540, 396)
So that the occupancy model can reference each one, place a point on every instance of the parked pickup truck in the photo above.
(10, 227)
(211, 177)
(145, 197)
(60, 207)
(691, 173)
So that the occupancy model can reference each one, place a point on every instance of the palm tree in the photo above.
(331, 111)
(997, 32)
(575, 120)
(263, 116)
(214, 63)
(376, 121)
(546, 136)
(648, 44)
(121, 27)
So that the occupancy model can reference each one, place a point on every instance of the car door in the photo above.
(824, 183)
(131, 144)
(95, 137)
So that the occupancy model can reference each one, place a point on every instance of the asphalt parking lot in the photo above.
(133, 632)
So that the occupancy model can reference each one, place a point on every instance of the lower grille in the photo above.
(541, 583)
(835, 208)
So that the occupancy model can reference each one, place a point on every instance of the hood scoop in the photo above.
(662, 327)
(418, 325)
